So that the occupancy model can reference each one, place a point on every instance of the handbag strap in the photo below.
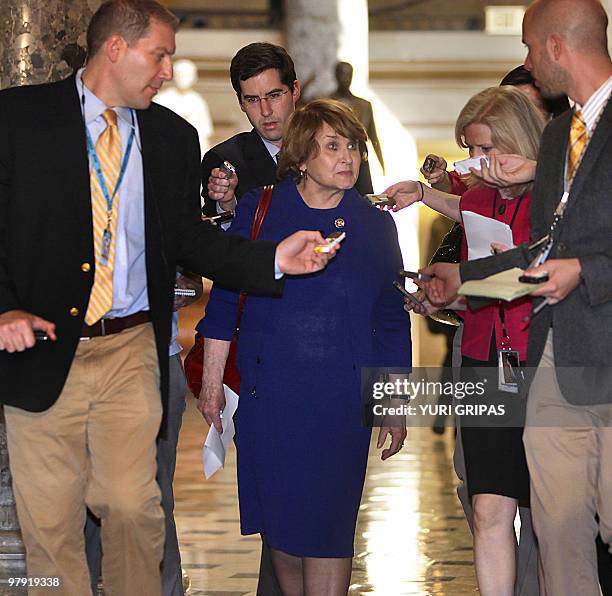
(260, 214)
(262, 210)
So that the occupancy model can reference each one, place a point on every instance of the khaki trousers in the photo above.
(569, 454)
(95, 447)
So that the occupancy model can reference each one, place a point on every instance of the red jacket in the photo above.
(481, 323)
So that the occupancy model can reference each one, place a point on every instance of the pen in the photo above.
(539, 308)
(415, 275)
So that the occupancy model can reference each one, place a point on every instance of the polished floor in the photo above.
(411, 534)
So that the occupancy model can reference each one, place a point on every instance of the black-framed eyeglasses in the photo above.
(272, 97)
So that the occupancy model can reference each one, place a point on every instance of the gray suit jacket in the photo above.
(582, 322)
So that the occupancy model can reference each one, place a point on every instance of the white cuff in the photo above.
(278, 274)
(227, 224)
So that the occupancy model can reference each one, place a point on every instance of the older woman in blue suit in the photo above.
(302, 448)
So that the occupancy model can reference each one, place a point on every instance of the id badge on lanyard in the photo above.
(107, 235)
(547, 241)
(509, 372)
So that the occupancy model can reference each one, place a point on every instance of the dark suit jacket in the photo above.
(254, 166)
(46, 230)
(581, 323)
(248, 154)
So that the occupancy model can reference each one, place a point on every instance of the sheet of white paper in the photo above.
(216, 445)
(480, 231)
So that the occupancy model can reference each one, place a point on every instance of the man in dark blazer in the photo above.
(568, 434)
(247, 153)
(264, 79)
(83, 408)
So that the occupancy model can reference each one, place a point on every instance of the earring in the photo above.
(303, 174)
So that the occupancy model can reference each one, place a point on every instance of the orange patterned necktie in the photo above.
(577, 143)
(108, 148)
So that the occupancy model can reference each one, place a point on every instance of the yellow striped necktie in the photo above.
(108, 148)
(577, 143)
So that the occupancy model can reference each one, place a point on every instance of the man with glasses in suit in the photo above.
(263, 77)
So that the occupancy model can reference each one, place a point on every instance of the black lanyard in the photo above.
(518, 206)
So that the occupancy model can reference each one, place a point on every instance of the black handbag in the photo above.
(449, 251)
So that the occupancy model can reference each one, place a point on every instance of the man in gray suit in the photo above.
(568, 435)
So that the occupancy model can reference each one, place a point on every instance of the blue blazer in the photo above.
(379, 327)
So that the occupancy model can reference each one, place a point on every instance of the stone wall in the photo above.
(43, 40)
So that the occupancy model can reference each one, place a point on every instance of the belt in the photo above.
(111, 326)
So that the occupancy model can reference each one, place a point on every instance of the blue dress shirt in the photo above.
(130, 273)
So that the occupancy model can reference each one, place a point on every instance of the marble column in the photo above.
(321, 32)
(43, 41)
(12, 552)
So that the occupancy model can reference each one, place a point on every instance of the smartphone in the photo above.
(380, 200)
(534, 279)
(416, 275)
(221, 218)
(228, 168)
(429, 164)
(413, 299)
(331, 241)
(463, 167)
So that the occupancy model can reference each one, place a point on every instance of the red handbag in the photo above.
(194, 362)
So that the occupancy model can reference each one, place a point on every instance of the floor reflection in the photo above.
(411, 535)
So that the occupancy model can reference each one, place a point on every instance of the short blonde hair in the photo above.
(299, 140)
(516, 123)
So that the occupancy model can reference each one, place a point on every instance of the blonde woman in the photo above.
(496, 120)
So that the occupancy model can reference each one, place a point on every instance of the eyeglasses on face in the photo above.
(272, 97)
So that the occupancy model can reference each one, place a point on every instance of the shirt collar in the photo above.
(593, 106)
(271, 147)
(95, 107)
